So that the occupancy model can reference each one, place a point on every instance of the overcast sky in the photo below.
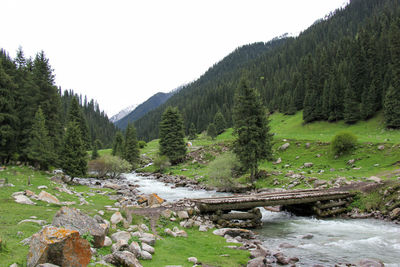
(122, 52)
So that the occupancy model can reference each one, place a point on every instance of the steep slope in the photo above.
(122, 113)
(340, 52)
(150, 104)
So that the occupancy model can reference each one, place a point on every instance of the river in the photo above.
(330, 240)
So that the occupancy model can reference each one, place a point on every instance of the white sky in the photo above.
(122, 52)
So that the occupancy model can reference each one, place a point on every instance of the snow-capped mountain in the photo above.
(123, 113)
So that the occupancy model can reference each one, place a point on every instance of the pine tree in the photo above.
(132, 154)
(351, 106)
(118, 145)
(212, 131)
(74, 152)
(253, 140)
(8, 119)
(391, 108)
(40, 151)
(219, 122)
(96, 147)
(192, 132)
(75, 114)
(172, 143)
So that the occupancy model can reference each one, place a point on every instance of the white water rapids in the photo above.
(333, 240)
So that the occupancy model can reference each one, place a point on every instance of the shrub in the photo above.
(161, 163)
(142, 144)
(221, 171)
(343, 143)
(109, 166)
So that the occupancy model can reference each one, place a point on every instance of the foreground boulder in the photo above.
(58, 246)
(126, 258)
(73, 219)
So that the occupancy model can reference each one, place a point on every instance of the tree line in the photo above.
(344, 67)
(37, 119)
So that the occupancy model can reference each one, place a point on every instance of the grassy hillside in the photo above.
(369, 160)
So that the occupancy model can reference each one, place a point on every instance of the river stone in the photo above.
(126, 258)
(147, 248)
(154, 199)
(120, 245)
(395, 213)
(121, 235)
(74, 219)
(259, 252)
(107, 242)
(284, 146)
(166, 213)
(49, 198)
(116, 218)
(281, 259)
(244, 233)
(257, 262)
(135, 248)
(169, 232)
(307, 236)
(144, 255)
(59, 246)
(21, 199)
(286, 245)
(111, 186)
(370, 263)
(182, 214)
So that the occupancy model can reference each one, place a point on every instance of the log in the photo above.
(240, 216)
(329, 213)
(332, 204)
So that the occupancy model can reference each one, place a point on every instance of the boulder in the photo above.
(126, 258)
(144, 255)
(135, 248)
(166, 213)
(257, 262)
(116, 218)
(147, 248)
(107, 242)
(281, 259)
(370, 263)
(308, 164)
(395, 213)
(193, 260)
(73, 219)
(120, 245)
(21, 199)
(233, 232)
(286, 245)
(146, 238)
(49, 198)
(40, 222)
(121, 235)
(284, 146)
(375, 179)
(111, 186)
(182, 214)
(154, 199)
(58, 246)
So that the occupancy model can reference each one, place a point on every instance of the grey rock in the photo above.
(147, 248)
(286, 245)
(308, 164)
(370, 263)
(121, 235)
(116, 218)
(21, 199)
(48, 265)
(192, 260)
(284, 146)
(40, 222)
(135, 248)
(144, 255)
(126, 258)
(182, 214)
(120, 245)
(107, 242)
(257, 262)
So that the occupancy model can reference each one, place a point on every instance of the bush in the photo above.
(142, 144)
(109, 166)
(221, 172)
(161, 163)
(343, 143)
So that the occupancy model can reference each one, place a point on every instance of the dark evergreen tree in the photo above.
(351, 106)
(253, 140)
(75, 115)
(95, 152)
(132, 154)
(40, 151)
(192, 132)
(118, 145)
(219, 123)
(172, 143)
(74, 154)
(212, 131)
(391, 108)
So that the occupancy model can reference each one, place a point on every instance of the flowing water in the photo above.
(332, 240)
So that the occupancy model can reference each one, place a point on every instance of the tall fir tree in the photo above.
(95, 149)
(74, 162)
(219, 122)
(351, 106)
(253, 140)
(132, 154)
(75, 114)
(192, 132)
(118, 145)
(212, 131)
(40, 150)
(172, 143)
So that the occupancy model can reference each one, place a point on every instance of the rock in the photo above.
(58, 246)
(318, 183)
(166, 213)
(151, 240)
(49, 198)
(203, 228)
(101, 212)
(169, 232)
(135, 248)
(259, 252)
(116, 218)
(308, 164)
(381, 147)
(120, 245)
(126, 258)
(41, 187)
(257, 262)
(111, 186)
(121, 235)
(147, 248)
(48, 265)
(192, 260)
(110, 259)
(107, 242)
(286, 245)
(154, 199)
(181, 233)
(370, 263)
(14, 265)
(74, 219)
(182, 214)
(351, 161)
(281, 259)
(40, 222)
(278, 161)
(144, 227)
(375, 179)
(395, 213)
(307, 236)
(29, 193)
(284, 146)
(243, 233)
(21, 199)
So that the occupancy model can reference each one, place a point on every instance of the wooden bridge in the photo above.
(242, 210)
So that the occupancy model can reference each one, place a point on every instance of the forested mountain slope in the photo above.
(341, 68)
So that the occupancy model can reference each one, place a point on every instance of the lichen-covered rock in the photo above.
(107, 242)
(154, 199)
(144, 255)
(182, 214)
(121, 235)
(148, 248)
(73, 219)
(135, 248)
(21, 199)
(126, 258)
(116, 218)
(49, 198)
(58, 246)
